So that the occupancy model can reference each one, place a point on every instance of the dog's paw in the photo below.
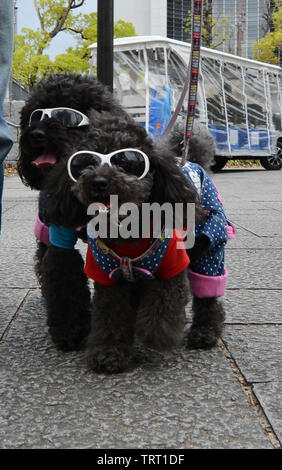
(107, 361)
(72, 339)
(201, 338)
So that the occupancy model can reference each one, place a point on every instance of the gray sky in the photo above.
(26, 17)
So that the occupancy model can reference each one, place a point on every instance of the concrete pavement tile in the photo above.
(7, 205)
(260, 209)
(13, 182)
(253, 306)
(10, 300)
(272, 196)
(179, 400)
(16, 267)
(17, 195)
(22, 211)
(256, 350)
(248, 240)
(275, 206)
(16, 234)
(240, 203)
(261, 223)
(267, 207)
(270, 398)
(254, 268)
(251, 187)
(14, 190)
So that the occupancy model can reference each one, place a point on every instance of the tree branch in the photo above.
(61, 21)
(77, 31)
(77, 6)
(39, 15)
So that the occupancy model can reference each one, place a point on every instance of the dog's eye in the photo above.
(82, 161)
(131, 162)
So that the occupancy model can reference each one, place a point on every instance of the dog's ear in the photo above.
(30, 176)
(170, 184)
(62, 206)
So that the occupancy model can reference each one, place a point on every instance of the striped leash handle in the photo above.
(194, 68)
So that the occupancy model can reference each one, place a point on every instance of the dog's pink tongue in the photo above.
(46, 159)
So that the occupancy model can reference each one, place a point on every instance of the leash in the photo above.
(191, 81)
(194, 74)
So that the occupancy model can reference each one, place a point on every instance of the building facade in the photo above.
(177, 13)
(149, 17)
(245, 24)
(243, 20)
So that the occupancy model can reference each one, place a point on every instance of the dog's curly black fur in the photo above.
(202, 147)
(153, 311)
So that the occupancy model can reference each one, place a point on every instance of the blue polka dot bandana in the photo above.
(143, 267)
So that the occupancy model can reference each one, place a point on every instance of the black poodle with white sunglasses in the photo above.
(140, 284)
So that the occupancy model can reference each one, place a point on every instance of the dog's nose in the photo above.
(38, 136)
(100, 183)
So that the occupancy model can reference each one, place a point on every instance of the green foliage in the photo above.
(122, 29)
(30, 61)
(70, 63)
(29, 65)
(268, 48)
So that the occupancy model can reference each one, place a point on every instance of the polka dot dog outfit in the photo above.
(146, 258)
(207, 274)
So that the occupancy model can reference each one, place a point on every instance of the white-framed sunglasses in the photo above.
(67, 116)
(131, 161)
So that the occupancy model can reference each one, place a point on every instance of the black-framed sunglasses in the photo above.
(67, 116)
(132, 161)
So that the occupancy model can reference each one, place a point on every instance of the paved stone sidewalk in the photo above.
(226, 398)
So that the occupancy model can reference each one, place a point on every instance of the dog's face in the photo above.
(54, 119)
(116, 159)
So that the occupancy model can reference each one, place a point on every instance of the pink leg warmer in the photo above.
(203, 286)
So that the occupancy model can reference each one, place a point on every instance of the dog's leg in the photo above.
(38, 258)
(207, 324)
(161, 313)
(67, 297)
(112, 332)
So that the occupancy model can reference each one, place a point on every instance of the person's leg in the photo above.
(5, 146)
(6, 54)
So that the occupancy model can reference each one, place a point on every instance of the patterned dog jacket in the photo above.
(207, 274)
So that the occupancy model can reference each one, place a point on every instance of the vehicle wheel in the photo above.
(220, 162)
(273, 162)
